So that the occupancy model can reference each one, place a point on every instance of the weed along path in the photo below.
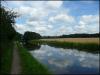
(16, 67)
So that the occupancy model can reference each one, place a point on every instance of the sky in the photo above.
(55, 18)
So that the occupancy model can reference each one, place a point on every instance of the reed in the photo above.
(90, 47)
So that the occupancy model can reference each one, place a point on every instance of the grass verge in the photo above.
(6, 57)
(29, 64)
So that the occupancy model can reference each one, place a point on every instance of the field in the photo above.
(76, 40)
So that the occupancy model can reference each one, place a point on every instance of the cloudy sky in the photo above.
(56, 17)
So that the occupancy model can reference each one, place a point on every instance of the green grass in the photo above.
(6, 57)
(90, 47)
(29, 64)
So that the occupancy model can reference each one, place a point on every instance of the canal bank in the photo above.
(29, 64)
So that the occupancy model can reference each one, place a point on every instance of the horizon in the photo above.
(55, 18)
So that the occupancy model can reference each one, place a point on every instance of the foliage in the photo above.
(80, 35)
(18, 36)
(75, 36)
(7, 32)
(6, 58)
(30, 36)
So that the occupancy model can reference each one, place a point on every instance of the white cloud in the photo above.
(88, 24)
(64, 30)
(89, 19)
(36, 26)
(62, 17)
(54, 4)
(52, 18)
(32, 23)
(40, 29)
(50, 26)
(37, 4)
(20, 28)
(23, 10)
(38, 14)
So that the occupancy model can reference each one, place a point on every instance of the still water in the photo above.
(67, 61)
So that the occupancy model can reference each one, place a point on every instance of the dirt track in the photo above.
(16, 68)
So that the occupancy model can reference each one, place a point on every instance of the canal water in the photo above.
(66, 61)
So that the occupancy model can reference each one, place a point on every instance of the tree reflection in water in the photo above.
(30, 46)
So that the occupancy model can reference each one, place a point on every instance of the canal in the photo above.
(66, 61)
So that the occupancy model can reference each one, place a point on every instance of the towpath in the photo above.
(16, 67)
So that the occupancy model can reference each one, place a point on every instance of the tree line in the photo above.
(74, 36)
(33, 35)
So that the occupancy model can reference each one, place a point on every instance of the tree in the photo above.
(18, 36)
(7, 32)
(30, 36)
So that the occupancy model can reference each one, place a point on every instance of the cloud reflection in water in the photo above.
(60, 58)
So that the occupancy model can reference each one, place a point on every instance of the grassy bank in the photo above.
(90, 47)
(29, 64)
(6, 57)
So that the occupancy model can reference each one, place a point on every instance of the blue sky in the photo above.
(56, 17)
(82, 7)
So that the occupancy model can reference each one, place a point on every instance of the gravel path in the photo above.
(16, 68)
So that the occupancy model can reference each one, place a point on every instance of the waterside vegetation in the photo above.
(90, 47)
